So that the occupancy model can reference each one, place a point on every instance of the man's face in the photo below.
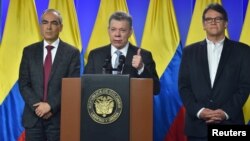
(214, 24)
(50, 26)
(119, 32)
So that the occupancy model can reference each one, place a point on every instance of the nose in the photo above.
(49, 25)
(117, 33)
(213, 20)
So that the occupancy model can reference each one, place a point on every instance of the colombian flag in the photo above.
(161, 37)
(21, 29)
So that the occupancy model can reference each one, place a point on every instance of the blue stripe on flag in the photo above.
(168, 102)
(4, 4)
(11, 115)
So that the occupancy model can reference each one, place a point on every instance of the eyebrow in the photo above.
(53, 21)
(215, 17)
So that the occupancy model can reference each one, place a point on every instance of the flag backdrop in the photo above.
(99, 36)
(70, 32)
(245, 34)
(161, 37)
(159, 26)
(196, 22)
(21, 29)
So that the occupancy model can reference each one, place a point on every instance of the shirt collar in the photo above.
(221, 42)
(54, 44)
(124, 50)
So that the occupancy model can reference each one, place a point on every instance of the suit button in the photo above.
(211, 100)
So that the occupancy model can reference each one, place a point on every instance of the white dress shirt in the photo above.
(124, 51)
(53, 51)
(214, 53)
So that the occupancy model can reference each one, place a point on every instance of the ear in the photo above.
(61, 27)
(203, 25)
(131, 31)
(226, 24)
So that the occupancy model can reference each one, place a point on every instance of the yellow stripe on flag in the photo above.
(21, 29)
(196, 32)
(245, 29)
(246, 110)
(161, 35)
(70, 32)
(99, 36)
(245, 39)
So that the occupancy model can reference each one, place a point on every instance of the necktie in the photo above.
(46, 70)
(118, 53)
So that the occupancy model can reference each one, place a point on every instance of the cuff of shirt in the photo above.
(141, 70)
(199, 112)
(227, 117)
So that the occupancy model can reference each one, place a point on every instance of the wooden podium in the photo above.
(141, 109)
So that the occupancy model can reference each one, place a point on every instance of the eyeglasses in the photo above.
(216, 20)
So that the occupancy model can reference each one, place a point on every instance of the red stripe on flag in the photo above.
(177, 127)
(22, 136)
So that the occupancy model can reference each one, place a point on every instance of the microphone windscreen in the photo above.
(122, 59)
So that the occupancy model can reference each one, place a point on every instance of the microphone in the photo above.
(107, 64)
(121, 64)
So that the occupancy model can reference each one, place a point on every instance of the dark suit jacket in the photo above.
(66, 64)
(97, 57)
(231, 86)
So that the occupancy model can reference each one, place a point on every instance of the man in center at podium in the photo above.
(136, 62)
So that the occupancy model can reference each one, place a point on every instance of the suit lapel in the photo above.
(128, 61)
(38, 59)
(58, 58)
(223, 59)
(204, 61)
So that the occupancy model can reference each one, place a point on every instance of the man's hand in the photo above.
(42, 108)
(206, 114)
(137, 60)
(217, 116)
(213, 116)
(47, 116)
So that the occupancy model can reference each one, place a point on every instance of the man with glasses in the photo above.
(214, 78)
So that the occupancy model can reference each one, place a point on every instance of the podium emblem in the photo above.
(104, 106)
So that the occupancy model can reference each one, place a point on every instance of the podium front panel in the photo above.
(141, 109)
(105, 107)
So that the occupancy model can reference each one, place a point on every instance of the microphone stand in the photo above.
(121, 64)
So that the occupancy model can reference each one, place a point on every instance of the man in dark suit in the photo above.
(138, 62)
(214, 78)
(42, 92)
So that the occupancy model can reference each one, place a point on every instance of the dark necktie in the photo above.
(46, 70)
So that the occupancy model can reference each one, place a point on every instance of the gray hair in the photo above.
(52, 11)
(120, 16)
